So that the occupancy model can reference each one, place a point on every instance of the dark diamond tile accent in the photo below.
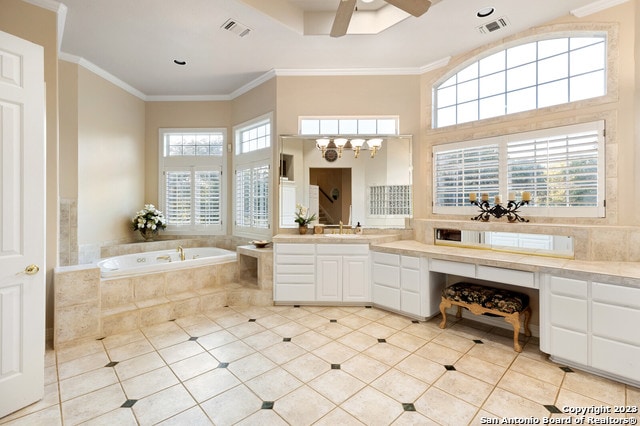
(552, 409)
(226, 306)
(450, 368)
(172, 319)
(252, 320)
(223, 365)
(286, 339)
(368, 307)
(112, 364)
(415, 321)
(296, 306)
(333, 320)
(101, 338)
(566, 369)
(193, 339)
(129, 403)
(267, 405)
(335, 366)
(480, 342)
(408, 407)
(382, 340)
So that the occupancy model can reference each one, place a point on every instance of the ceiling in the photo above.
(137, 41)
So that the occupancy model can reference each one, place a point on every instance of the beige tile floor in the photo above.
(311, 365)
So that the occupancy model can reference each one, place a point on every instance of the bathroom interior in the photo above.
(102, 166)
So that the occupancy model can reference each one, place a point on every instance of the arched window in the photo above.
(525, 77)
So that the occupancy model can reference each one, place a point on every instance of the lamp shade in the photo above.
(323, 142)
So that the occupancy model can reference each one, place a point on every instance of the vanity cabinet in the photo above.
(342, 273)
(294, 272)
(404, 284)
(592, 324)
(321, 273)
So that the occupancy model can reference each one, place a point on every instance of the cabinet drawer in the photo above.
(295, 269)
(615, 357)
(508, 276)
(385, 296)
(342, 249)
(410, 262)
(568, 287)
(283, 248)
(386, 258)
(294, 293)
(569, 345)
(293, 259)
(454, 268)
(616, 295)
(295, 279)
(386, 275)
(616, 322)
(410, 279)
(568, 313)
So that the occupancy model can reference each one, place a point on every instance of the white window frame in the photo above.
(347, 125)
(475, 82)
(192, 164)
(530, 210)
(253, 159)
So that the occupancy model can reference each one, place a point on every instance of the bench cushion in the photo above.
(501, 300)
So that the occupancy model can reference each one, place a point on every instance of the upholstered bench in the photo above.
(481, 300)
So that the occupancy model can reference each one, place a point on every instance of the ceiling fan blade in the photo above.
(343, 17)
(413, 7)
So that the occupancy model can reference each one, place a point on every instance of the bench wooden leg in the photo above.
(527, 317)
(444, 304)
(514, 320)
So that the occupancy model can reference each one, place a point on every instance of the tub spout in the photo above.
(181, 251)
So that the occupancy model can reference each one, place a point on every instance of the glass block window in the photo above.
(191, 182)
(390, 200)
(562, 168)
(529, 76)
(348, 126)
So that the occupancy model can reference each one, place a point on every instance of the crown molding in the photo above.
(187, 98)
(594, 7)
(345, 72)
(252, 84)
(102, 73)
(435, 65)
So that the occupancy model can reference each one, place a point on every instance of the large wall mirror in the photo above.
(373, 190)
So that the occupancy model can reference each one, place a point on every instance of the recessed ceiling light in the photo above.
(177, 62)
(485, 11)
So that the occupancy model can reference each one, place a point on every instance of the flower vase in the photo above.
(148, 234)
(303, 229)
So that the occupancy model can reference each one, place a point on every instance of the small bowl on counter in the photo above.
(260, 243)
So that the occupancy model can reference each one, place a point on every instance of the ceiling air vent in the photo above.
(236, 27)
(492, 26)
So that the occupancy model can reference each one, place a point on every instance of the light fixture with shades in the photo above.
(341, 144)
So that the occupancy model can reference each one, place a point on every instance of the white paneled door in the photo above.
(22, 219)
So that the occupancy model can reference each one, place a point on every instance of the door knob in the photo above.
(31, 269)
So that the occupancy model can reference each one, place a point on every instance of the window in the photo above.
(348, 126)
(522, 78)
(390, 200)
(252, 178)
(563, 168)
(191, 181)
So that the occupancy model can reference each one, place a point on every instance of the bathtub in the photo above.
(163, 260)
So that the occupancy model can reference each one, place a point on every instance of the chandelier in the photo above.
(356, 144)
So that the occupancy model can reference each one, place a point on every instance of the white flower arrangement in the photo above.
(302, 216)
(149, 218)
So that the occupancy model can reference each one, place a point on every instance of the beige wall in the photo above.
(111, 159)
(39, 26)
(68, 130)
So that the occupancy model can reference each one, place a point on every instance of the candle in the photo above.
(473, 196)
(498, 199)
(484, 196)
(512, 196)
(526, 196)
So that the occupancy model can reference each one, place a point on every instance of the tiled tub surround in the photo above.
(86, 306)
(280, 365)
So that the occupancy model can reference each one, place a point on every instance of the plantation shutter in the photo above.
(261, 197)
(243, 197)
(560, 171)
(207, 197)
(252, 197)
(458, 172)
(178, 197)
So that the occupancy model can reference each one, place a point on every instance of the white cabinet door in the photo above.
(355, 279)
(329, 278)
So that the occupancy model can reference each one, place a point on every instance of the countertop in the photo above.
(336, 238)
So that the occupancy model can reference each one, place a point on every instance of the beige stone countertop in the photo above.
(336, 238)
(627, 273)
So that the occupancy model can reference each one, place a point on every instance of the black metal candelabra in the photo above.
(497, 211)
